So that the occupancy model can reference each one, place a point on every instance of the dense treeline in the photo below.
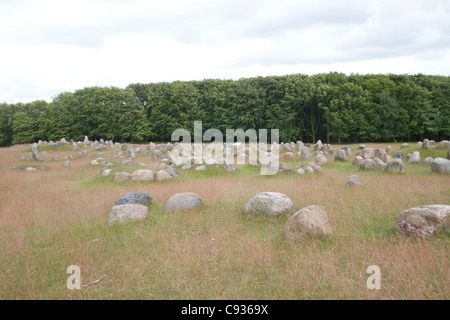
(332, 107)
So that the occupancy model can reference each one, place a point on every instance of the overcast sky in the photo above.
(52, 46)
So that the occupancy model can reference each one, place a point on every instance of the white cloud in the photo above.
(53, 46)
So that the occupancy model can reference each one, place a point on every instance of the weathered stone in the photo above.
(444, 144)
(66, 164)
(269, 204)
(395, 165)
(398, 155)
(415, 158)
(35, 153)
(309, 170)
(183, 201)
(121, 176)
(299, 146)
(426, 144)
(318, 145)
(405, 145)
(358, 160)
(320, 160)
(305, 154)
(105, 172)
(368, 153)
(353, 182)
(379, 164)
(340, 155)
(317, 169)
(428, 160)
(141, 198)
(173, 172)
(424, 221)
(300, 171)
(126, 213)
(151, 147)
(368, 164)
(163, 175)
(440, 165)
(309, 222)
(289, 155)
(157, 155)
(142, 175)
(201, 168)
(229, 166)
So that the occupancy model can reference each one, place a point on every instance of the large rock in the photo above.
(142, 175)
(163, 175)
(368, 153)
(305, 154)
(126, 213)
(368, 164)
(122, 176)
(134, 198)
(415, 158)
(35, 153)
(428, 160)
(173, 172)
(398, 155)
(444, 144)
(353, 182)
(340, 155)
(395, 165)
(358, 161)
(379, 164)
(309, 222)
(157, 155)
(183, 201)
(424, 221)
(269, 204)
(426, 144)
(440, 165)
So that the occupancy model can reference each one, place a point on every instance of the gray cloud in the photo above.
(237, 35)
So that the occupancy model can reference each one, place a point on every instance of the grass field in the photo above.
(53, 218)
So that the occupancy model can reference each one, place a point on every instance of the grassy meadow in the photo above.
(55, 217)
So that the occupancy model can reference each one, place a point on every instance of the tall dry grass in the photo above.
(53, 218)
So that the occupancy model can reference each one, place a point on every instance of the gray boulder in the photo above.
(415, 158)
(428, 160)
(309, 222)
(134, 198)
(126, 213)
(163, 175)
(35, 153)
(353, 182)
(426, 144)
(340, 155)
(173, 172)
(424, 221)
(440, 165)
(142, 175)
(269, 204)
(398, 155)
(305, 154)
(183, 201)
(157, 155)
(395, 165)
(368, 164)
